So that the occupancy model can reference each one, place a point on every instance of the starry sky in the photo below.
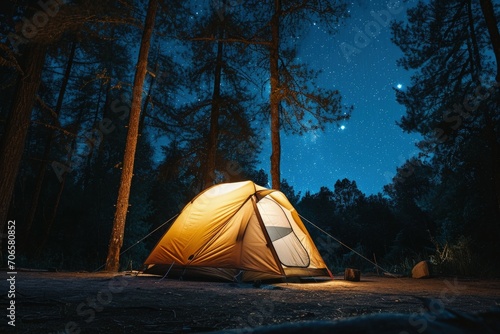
(368, 147)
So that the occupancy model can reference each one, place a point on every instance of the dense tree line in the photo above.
(454, 103)
(185, 89)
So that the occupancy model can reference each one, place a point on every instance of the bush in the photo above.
(459, 258)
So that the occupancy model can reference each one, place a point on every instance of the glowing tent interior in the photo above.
(240, 232)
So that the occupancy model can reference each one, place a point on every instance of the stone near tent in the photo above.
(353, 275)
(421, 270)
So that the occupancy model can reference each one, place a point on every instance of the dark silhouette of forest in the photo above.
(217, 74)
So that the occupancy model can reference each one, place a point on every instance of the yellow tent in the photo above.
(237, 231)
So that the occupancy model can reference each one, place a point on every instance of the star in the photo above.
(342, 127)
(399, 86)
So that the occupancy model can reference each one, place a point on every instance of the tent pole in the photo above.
(268, 239)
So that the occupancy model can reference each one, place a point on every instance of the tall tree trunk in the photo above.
(122, 204)
(18, 123)
(148, 98)
(491, 23)
(105, 112)
(55, 209)
(90, 143)
(48, 144)
(275, 96)
(62, 184)
(474, 52)
(213, 137)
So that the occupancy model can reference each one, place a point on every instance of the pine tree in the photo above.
(25, 49)
(220, 82)
(296, 103)
(122, 204)
(18, 123)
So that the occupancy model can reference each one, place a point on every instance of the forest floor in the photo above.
(71, 302)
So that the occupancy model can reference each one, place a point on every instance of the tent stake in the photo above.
(167, 272)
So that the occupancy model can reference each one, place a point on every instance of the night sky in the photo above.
(369, 146)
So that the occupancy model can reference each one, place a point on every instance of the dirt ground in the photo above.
(50, 302)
